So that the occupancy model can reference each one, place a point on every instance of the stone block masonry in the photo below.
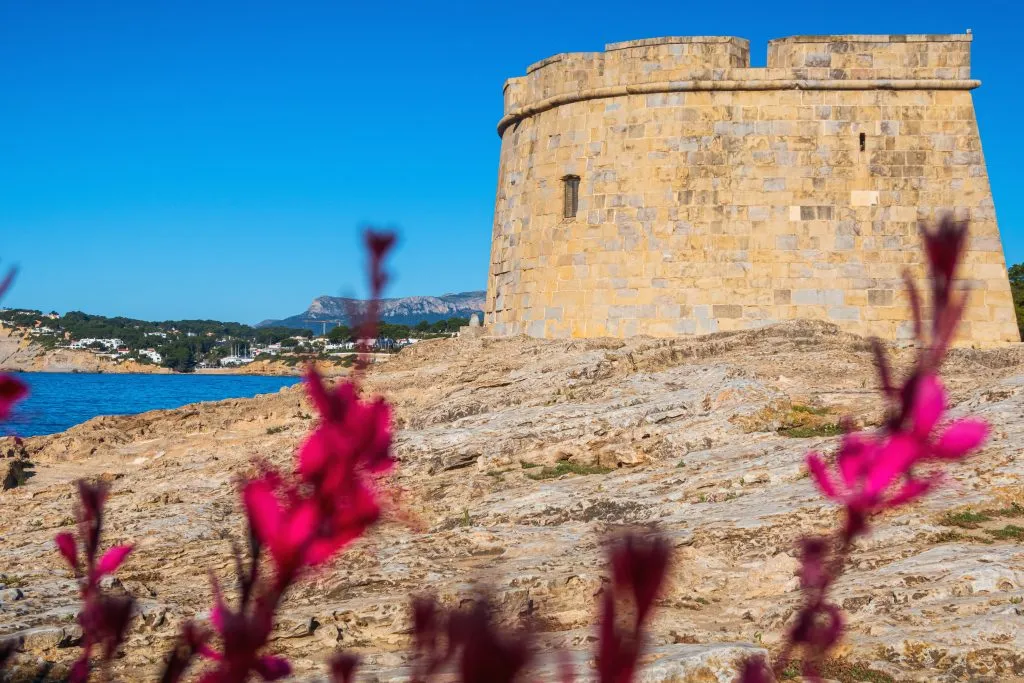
(715, 196)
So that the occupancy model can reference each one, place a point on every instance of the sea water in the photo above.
(57, 401)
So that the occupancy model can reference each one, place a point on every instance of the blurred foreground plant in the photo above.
(104, 617)
(883, 470)
(12, 390)
(303, 519)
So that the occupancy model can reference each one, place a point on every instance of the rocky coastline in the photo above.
(21, 354)
(519, 458)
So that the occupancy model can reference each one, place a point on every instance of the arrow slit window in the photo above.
(571, 197)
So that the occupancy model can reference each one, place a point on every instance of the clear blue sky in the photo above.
(216, 159)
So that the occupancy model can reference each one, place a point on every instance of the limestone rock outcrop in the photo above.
(519, 458)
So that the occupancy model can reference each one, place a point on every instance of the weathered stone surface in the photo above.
(706, 183)
(46, 639)
(13, 472)
(692, 422)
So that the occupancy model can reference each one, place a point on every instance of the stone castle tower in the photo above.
(665, 187)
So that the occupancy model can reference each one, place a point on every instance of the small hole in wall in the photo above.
(863, 141)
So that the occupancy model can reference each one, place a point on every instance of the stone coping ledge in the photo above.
(646, 42)
(883, 38)
(673, 40)
(741, 85)
(557, 58)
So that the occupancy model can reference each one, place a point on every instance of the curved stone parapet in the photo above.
(723, 62)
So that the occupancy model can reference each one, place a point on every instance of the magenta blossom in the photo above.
(104, 618)
(639, 567)
(304, 520)
(335, 500)
(468, 641)
(353, 435)
(342, 668)
(876, 472)
(11, 391)
(242, 636)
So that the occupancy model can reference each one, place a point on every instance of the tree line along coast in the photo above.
(188, 345)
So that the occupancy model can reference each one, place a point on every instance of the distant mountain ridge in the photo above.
(327, 312)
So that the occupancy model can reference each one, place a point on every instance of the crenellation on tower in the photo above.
(715, 196)
(878, 57)
(722, 63)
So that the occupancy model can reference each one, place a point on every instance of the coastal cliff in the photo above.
(18, 353)
(518, 458)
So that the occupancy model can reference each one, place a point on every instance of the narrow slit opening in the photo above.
(863, 141)
(571, 199)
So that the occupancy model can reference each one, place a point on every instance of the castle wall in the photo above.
(714, 196)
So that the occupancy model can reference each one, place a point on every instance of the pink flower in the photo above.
(285, 527)
(104, 618)
(481, 652)
(337, 500)
(303, 520)
(869, 466)
(959, 439)
(343, 668)
(68, 549)
(639, 566)
(11, 391)
(875, 472)
(755, 670)
(242, 635)
(112, 559)
(956, 440)
(352, 435)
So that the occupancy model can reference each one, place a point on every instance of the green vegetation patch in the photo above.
(811, 431)
(11, 581)
(498, 473)
(965, 519)
(949, 536)
(566, 467)
(805, 422)
(1016, 273)
(1012, 510)
(840, 669)
(809, 410)
(1010, 532)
